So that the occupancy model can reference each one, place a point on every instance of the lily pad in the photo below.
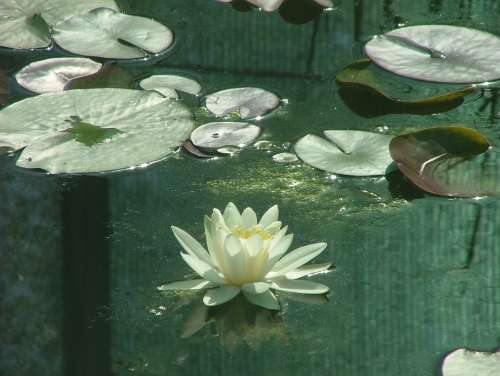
(106, 33)
(25, 24)
(168, 85)
(357, 75)
(214, 136)
(448, 161)
(94, 130)
(52, 75)
(110, 76)
(438, 53)
(355, 153)
(247, 102)
(470, 363)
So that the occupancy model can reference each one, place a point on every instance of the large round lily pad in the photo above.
(246, 102)
(462, 362)
(50, 75)
(449, 161)
(356, 153)
(94, 130)
(24, 23)
(438, 53)
(106, 33)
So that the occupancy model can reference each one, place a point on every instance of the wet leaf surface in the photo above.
(438, 53)
(448, 161)
(462, 362)
(358, 75)
(356, 153)
(214, 136)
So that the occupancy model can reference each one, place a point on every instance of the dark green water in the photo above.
(416, 276)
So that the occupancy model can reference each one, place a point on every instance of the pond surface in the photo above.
(416, 276)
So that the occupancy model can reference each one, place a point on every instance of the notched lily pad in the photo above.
(168, 85)
(246, 102)
(25, 24)
(355, 153)
(448, 161)
(219, 135)
(106, 33)
(51, 75)
(462, 362)
(358, 75)
(438, 53)
(94, 130)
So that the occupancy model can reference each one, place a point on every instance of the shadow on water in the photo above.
(299, 12)
(369, 105)
(86, 277)
(400, 187)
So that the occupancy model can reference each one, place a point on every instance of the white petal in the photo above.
(278, 236)
(210, 237)
(270, 216)
(300, 287)
(220, 295)
(276, 252)
(254, 245)
(203, 269)
(232, 216)
(191, 245)
(266, 300)
(235, 258)
(255, 287)
(248, 218)
(296, 259)
(307, 270)
(218, 220)
(281, 247)
(195, 284)
(274, 228)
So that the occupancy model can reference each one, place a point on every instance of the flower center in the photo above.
(248, 233)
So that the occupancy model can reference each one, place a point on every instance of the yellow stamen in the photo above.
(248, 233)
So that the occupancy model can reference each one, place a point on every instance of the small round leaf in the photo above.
(219, 135)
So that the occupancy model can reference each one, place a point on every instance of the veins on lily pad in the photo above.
(89, 134)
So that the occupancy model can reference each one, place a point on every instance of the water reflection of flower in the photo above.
(249, 257)
(237, 322)
(272, 5)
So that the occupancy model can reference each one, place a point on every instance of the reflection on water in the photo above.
(416, 277)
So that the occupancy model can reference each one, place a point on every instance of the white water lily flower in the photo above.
(272, 5)
(247, 256)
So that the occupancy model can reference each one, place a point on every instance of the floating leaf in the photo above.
(247, 102)
(356, 153)
(357, 75)
(448, 161)
(110, 76)
(469, 363)
(168, 85)
(106, 33)
(25, 24)
(438, 53)
(215, 136)
(285, 158)
(58, 130)
(189, 148)
(52, 75)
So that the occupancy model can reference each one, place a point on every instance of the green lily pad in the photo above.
(357, 75)
(25, 24)
(355, 153)
(50, 75)
(470, 363)
(168, 85)
(438, 53)
(246, 102)
(106, 33)
(59, 134)
(109, 76)
(448, 161)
